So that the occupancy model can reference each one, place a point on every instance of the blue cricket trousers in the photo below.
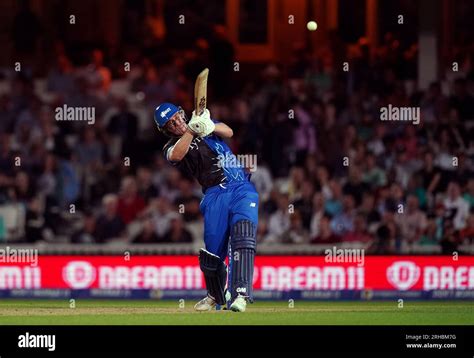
(222, 206)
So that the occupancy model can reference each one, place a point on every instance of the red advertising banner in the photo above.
(280, 273)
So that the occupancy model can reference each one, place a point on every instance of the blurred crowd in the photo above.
(328, 169)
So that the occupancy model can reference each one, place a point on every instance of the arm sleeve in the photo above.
(166, 150)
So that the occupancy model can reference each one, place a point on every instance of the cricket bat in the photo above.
(200, 92)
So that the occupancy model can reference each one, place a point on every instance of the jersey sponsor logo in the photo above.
(252, 205)
(194, 145)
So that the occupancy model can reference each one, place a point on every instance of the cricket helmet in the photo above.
(164, 112)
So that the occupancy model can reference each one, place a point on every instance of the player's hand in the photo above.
(202, 125)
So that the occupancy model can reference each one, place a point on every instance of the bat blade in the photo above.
(200, 92)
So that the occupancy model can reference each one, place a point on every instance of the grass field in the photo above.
(103, 312)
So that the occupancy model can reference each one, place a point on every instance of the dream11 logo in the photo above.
(403, 275)
(79, 274)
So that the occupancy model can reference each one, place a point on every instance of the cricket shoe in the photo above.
(239, 304)
(206, 304)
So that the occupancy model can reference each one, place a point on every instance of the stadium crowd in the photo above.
(328, 169)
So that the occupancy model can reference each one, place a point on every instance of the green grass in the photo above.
(103, 312)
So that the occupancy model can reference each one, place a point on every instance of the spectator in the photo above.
(333, 205)
(402, 167)
(130, 203)
(295, 182)
(124, 126)
(68, 182)
(269, 206)
(23, 190)
(359, 232)
(355, 186)
(262, 179)
(304, 204)
(188, 202)
(7, 119)
(318, 213)
(384, 241)
(160, 171)
(326, 235)
(322, 176)
(377, 144)
(7, 162)
(430, 174)
(87, 234)
(457, 207)
(98, 76)
(170, 189)
(61, 78)
(177, 233)
(344, 221)
(466, 235)
(148, 234)
(373, 175)
(432, 235)
(109, 223)
(90, 151)
(463, 172)
(469, 194)
(34, 221)
(305, 133)
(395, 200)
(367, 209)
(450, 241)
(279, 221)
(47, 182)
(162, 215)
(146, 188)
(296, 233)
(27, 131)
(412, 222)
(433, 104)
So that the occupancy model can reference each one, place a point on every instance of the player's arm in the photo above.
(181, 147)
(223, 130)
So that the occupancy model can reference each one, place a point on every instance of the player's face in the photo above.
(176, 125)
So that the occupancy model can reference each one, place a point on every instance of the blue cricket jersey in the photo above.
(210, 161)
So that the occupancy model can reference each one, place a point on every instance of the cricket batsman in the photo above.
(229, 205)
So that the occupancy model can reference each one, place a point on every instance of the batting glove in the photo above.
(202, 125)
